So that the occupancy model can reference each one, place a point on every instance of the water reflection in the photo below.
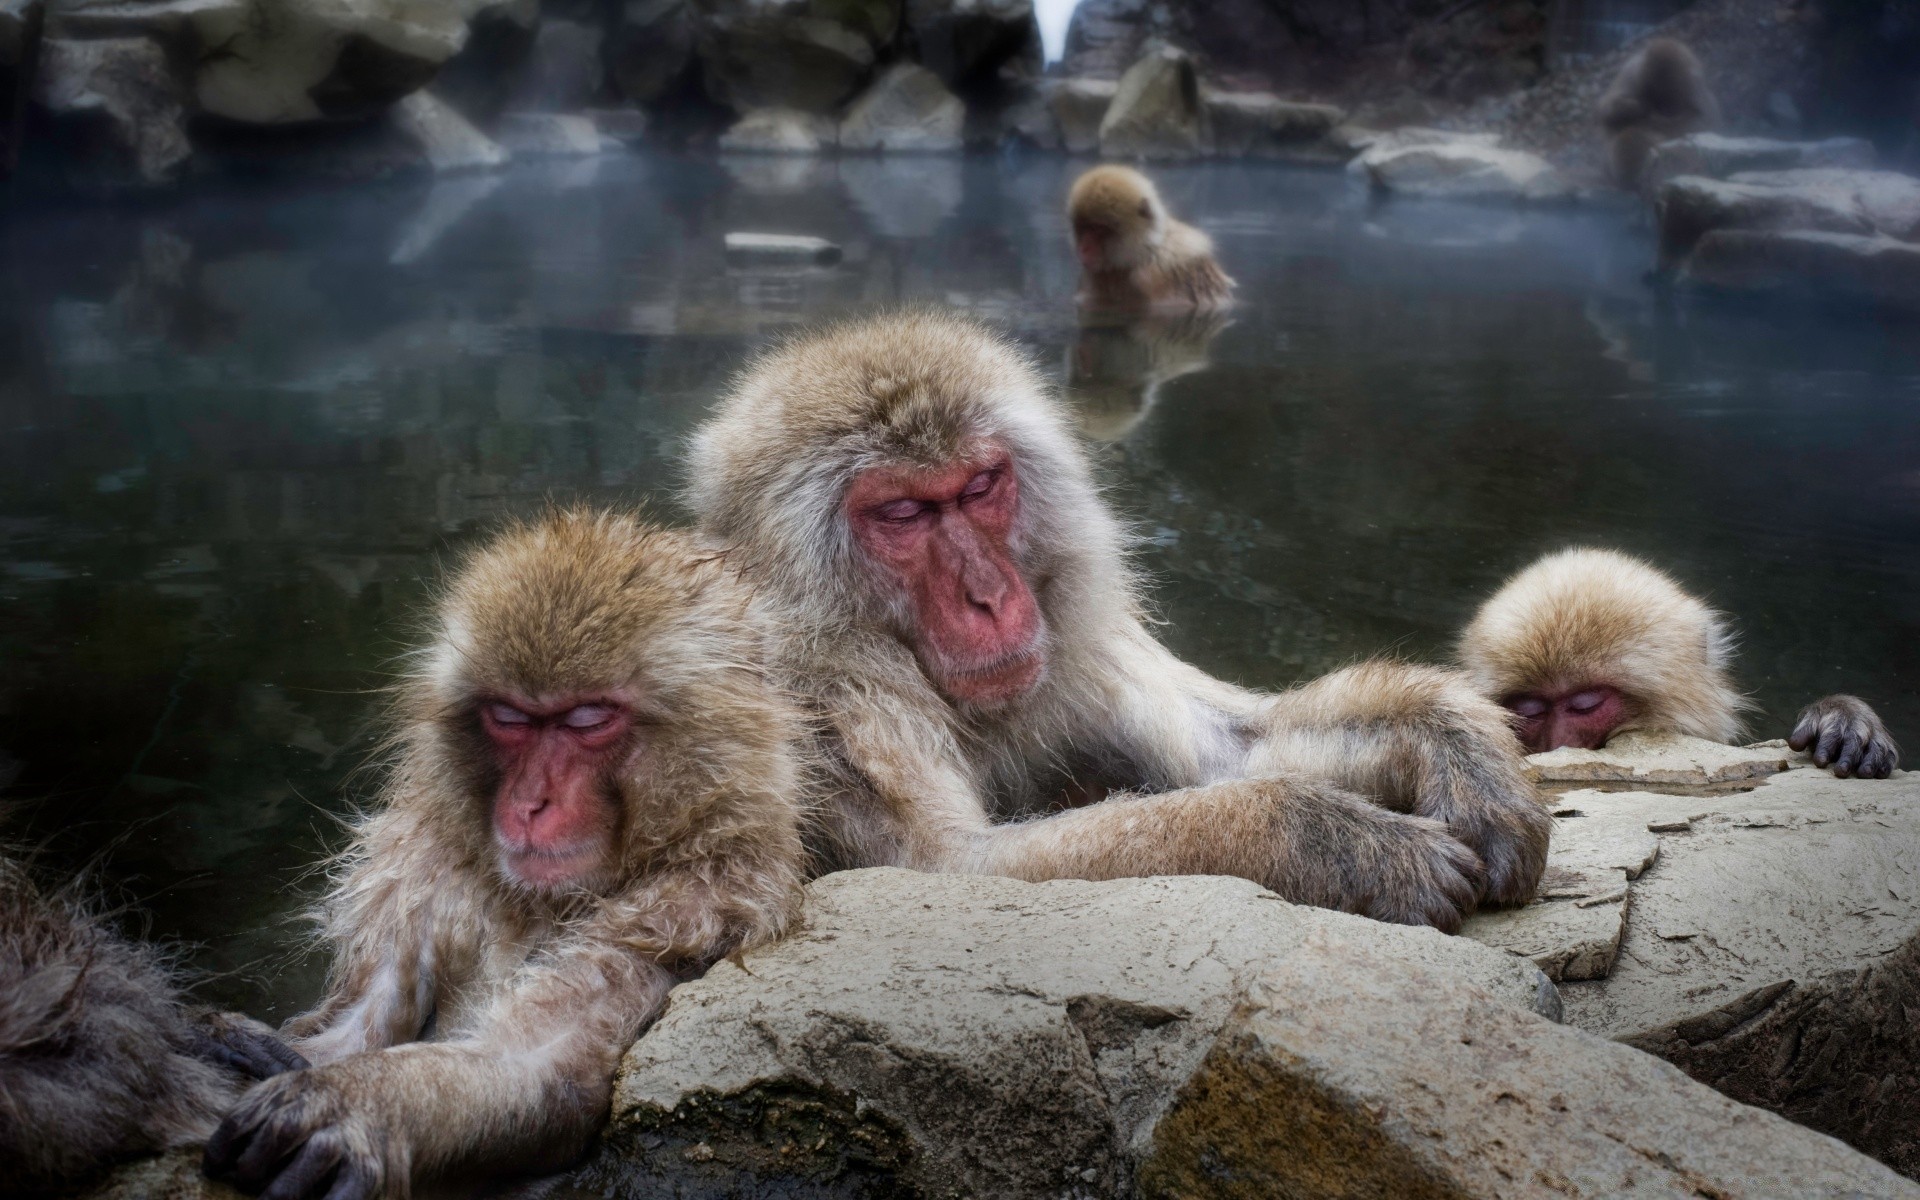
(237, 434)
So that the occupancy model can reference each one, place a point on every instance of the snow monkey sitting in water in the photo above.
(1133, 254)
(1585, 644)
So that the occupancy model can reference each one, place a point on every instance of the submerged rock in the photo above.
(1797, 263)
(1156, 111)
(906, 109)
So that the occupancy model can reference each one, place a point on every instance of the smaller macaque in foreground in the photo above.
(1133, 254)
(101, 1057)
(1585, 644)
(594, 798)
(1661, 93)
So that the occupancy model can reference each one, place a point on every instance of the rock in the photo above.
(781, 131)
(781, 248)
(650, 48)
(956, 1036)
(967, 41)
(549, 135)
(1105, 37)
(480, 80)
(1716, 156)
(448, 140)
(625, 125)
(1338, 1079)
(1662, 758)
(1573, 930)
(1260, 123)
(175, 1175)
(122, 117)
(1688, 208)
(1079, 105)
(769, 54)
(1156, 111)
(1459, 170)
(907, 108)
(1889, 201)
(1839, 266)
(21, 22)
(1019, 115)
(564, 72)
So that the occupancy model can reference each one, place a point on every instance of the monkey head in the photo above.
(1585, 644)
(911, 475)
(577, 659)
(1117, 218)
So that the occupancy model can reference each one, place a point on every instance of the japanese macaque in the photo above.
(101, 1056)
(948, 591)
(594, 797)
(1661, 93)
(1585, 644)
(1132, 253)
(1117, 369)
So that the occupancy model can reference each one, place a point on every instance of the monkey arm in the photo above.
(1418, 740)
(399, 917)
(1306, 839)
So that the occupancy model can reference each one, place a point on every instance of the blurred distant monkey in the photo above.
(951, 594)
(101, 1058)
(1132, 253)
(1585, 644)
(1661, 93)
(595, 798)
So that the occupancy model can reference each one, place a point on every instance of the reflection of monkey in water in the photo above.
(1585, 644)
(1661, 93)
(1115, 370)
(100, 1057)
(1133, 254)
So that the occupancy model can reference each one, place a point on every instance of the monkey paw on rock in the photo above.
(1845, 733)
(297, 1136)
(1414, 872)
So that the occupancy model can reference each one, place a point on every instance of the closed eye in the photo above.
(587, 717)
(980, 485)
(899, 512)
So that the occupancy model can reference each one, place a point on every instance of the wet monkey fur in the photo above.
(1660, 93)
(946, 588)
(1586, 643)
(593, 798)
(101, 1056)
(1133, 254)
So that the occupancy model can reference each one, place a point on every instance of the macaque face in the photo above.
(942, 536)
(1585, 718)
(1091, 240)
(1110, 240)
(556, 813)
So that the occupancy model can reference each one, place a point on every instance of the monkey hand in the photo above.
(1846, 734)
(242, 1044)
(299, 1136)
(1406, 870)
(1508, 831)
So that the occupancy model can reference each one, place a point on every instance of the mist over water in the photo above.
(238, 434)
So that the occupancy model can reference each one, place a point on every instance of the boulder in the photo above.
(1716, 156)
(627, 124)
(1104, 37)
(564, 71)
(1889, 201)
(1850, 268)
(549, 135)
(965, 1036)
(907, 108)
(1760, 923)
(781, 131)
(1692, 206)
(1459, 169)
(1337, 1078)
(650, 48)
(447, 140)
(773, 53)
(1262, 124)
(21, 22)
(120, 117)
(1156, 111)
(967, 41)
(1078, 106)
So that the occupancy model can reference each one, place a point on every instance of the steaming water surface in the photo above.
(238, 433)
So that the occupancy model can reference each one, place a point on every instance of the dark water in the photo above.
(237, 434)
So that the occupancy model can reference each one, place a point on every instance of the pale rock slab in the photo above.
(1157, 112)
(1660, 758)
(1459, 169)
(906, 109)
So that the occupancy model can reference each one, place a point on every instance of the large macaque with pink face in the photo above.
(595, 796)
(945, 587)
(1586, 644)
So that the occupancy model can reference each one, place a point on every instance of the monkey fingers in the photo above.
(293, 1138)
(1411, 871)
(1844, 732)
(242, 1044)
